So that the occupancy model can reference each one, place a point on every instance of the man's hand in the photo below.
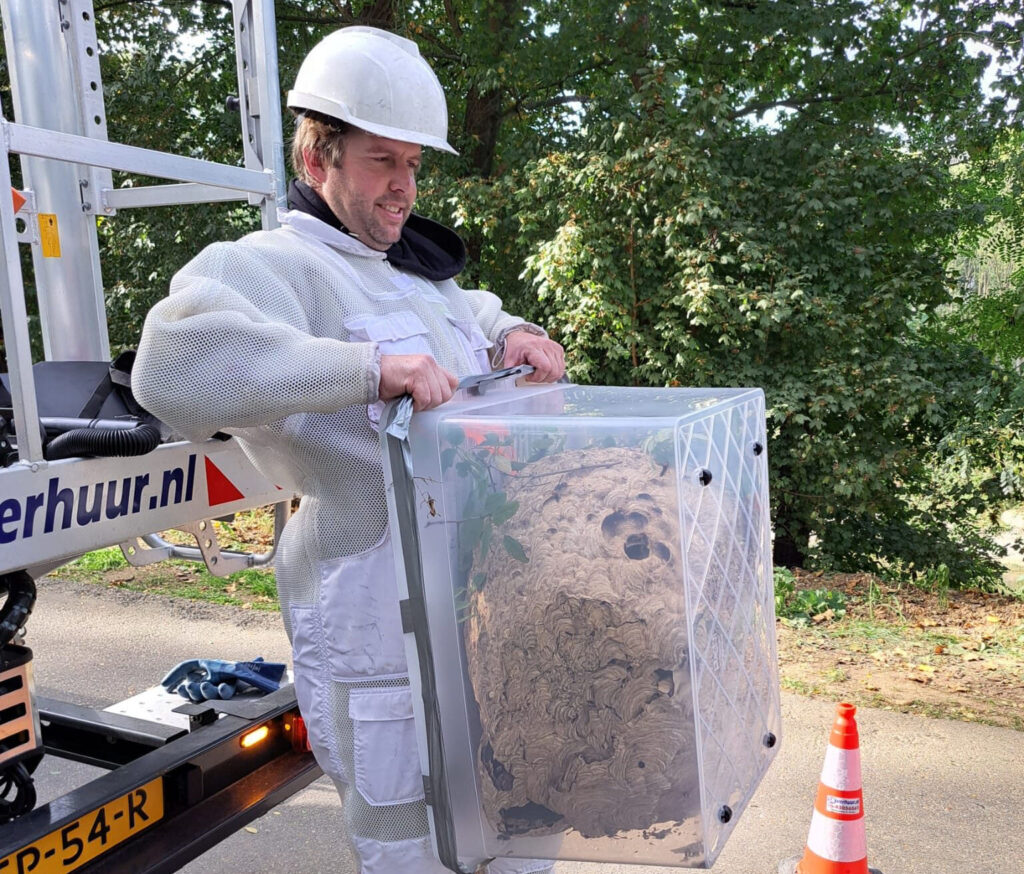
(546, 356)
(418, 375)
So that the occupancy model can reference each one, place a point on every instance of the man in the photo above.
(291, 340)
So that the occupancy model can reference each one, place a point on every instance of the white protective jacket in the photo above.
(276, 339)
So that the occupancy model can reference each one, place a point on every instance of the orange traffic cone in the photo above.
(836, 842)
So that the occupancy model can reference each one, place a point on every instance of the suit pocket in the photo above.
(387, 765)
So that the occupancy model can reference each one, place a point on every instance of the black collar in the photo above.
(426, 248)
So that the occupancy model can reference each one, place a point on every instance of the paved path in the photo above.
(941, 797)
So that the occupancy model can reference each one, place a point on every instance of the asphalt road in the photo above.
(940, 797)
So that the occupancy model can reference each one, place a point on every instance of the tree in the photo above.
(687, 244)
(988, 308)
(744, 192)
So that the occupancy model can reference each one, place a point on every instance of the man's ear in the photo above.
(314, 166)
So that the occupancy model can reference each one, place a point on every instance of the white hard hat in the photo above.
(376, 81)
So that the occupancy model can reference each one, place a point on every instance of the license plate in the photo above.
(79, 842)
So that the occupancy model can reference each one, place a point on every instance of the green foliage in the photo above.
(164, 89)
(804, 606)
(987, 310)
(785, 588)
(480, 465)
(682, 245)
(766, 194)
(936, 579)
(658, 274)
(995, 321)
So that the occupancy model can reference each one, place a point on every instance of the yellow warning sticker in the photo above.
(49, 236)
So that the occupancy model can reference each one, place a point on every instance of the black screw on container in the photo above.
(770, 740)
(724, 813)
(704, 477)
(758, 448)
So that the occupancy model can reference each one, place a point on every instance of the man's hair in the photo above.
(323, 136)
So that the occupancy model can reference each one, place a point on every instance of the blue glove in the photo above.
(205, 679)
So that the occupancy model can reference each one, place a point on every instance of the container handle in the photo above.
(478, 383)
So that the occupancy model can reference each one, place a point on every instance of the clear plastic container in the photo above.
(590, 619)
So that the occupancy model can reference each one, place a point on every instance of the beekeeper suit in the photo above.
(290, 340)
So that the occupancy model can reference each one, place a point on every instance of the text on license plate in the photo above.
(73, 845)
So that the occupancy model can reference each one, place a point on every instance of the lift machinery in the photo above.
(168, 792)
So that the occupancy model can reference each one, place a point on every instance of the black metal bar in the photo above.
(98, 737)
(175, 841)
(245, 706)
(208, 778)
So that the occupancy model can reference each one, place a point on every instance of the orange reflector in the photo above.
(18, 198)
(257, 735)
(296, 727)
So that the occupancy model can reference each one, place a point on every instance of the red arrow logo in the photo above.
(219, 489)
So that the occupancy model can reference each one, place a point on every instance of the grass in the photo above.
(867, 634)
(252, 531)
(802, 687)
(100, 561)
(255, 588)
(873, 630)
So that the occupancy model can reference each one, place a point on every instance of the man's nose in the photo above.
(403, 179)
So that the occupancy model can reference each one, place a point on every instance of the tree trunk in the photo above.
(786, 552)
(484, 108)
(792, 540)
(483, 124)
(379, 13)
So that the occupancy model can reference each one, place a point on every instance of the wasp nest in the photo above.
(578, 654)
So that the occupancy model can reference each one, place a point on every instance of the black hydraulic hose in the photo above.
(21, 597)
(94, 442)
(17, 793)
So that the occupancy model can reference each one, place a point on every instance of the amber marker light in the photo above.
(296, 727)
(257, 735)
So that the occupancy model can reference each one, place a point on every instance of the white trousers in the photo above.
(353, 690)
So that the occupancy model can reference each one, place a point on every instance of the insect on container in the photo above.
(589, 615)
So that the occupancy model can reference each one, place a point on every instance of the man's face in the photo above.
(374, 188)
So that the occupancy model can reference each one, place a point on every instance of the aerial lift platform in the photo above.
(171, 789)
